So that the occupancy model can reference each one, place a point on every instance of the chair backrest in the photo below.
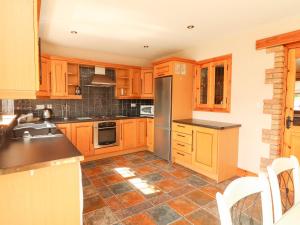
(279, 181)
(241, 188)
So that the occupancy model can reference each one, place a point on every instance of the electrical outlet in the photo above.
(49, 106)
(133, 105)
(38, 107)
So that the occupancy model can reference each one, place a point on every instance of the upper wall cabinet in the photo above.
(19, 61)
(134, 84)
(212, 84)
(147, 83)
(171, 66)
(44, 78)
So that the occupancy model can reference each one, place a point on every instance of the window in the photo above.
(212, 84)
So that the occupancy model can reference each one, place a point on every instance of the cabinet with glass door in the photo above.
(212, 85)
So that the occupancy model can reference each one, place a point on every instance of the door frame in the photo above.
(287, 48)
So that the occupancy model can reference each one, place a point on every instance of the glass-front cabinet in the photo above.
(212, 85)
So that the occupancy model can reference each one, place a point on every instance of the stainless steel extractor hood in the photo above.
(100, 79)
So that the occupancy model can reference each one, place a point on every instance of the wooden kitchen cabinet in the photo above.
(147, 83)
(82, 137)
(128, 134)
(211, 152)
(58, 78)
(44, 78)
(136, 85)
(123, 84)
(141, 132)
(19, 56)
(150, 134)
(66, 129)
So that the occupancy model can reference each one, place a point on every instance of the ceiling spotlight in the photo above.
(190, 27)
(146, 46)
(73, 32)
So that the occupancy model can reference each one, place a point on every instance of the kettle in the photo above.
(47, 114)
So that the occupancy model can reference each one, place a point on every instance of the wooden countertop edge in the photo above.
(209, 126)
(40, 165)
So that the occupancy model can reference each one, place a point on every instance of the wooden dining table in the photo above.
(291, 217)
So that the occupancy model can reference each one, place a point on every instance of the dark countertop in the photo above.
(94, 119)
(208, 124)
(16, 155)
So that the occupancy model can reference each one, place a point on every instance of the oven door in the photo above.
(104, 136)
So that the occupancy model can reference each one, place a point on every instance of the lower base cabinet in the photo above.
(210, 152)
(131, 133)
(49, 195)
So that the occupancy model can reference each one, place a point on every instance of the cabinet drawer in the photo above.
(182, 128)
(182, 156)
(182, 146)
(186, 138)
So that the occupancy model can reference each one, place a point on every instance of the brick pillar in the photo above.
(274, 106)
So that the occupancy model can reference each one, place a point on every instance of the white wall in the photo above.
(248, 88)
(57, 50)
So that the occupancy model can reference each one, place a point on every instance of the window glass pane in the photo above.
(203, 85)
(297, 95)
(219, 84)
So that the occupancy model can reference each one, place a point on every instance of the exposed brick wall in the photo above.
(274, 106)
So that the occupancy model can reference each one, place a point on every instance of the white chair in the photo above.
(241, 188)
(279, 166)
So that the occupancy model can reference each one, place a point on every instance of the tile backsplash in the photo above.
(94, 102)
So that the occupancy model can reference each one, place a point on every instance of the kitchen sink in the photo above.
(84, 118)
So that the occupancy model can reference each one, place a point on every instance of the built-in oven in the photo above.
(105, 134)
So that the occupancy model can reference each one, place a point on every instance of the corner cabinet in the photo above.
(19, 66)
(212, 152)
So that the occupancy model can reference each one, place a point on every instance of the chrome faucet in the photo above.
(65, 109)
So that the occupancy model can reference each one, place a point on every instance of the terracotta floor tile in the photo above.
(125, 213)
(201, 217)
(199, 197)
(139, 219)
(163, 197)
(90, 172)
(123, 163)
(98, 182)
(100, 216)
(114, 203)
(181, 222)
(112, 179)
(129, 199)
(93, 203)
(210, 190)
(182, 205)
(143, 170)
(180, 174)
(182, 190)
(89, 191)
(167, 185)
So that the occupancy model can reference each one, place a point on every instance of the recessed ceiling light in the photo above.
(73, 32)
(190, 27)
(146, 46)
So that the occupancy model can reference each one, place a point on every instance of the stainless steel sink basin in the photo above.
(84, 118)
(44, 136)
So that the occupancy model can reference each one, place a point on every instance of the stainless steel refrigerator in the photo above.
(163, 117)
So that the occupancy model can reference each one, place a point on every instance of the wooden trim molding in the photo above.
(178, 59)
(282, 39)
(90, 62)
(219, 58)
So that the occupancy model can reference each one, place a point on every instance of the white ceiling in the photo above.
(124, 26)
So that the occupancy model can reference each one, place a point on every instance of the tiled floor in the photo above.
(140, 189)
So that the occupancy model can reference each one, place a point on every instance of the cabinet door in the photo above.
(147, 84)
(58, 78)
(44, 79)
(19, 70)
(220, 76)
(136, 84)
(82, 137)
(150, 134)
(141, 132)
(163, 69)
(205, 149)
(202, 84)
(128, 134)
(123, 83)
(65, 129)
